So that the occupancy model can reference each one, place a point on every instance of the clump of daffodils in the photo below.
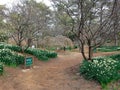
(102, 69)
(10, 58)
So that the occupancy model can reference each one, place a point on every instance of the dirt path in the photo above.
(52, 75)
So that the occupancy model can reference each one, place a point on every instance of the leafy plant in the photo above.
(102, 69)
(115, 57)
(108, 48)
(11, 47)
(10, 58)
(1, 69)
(41, 54)
(75, 47)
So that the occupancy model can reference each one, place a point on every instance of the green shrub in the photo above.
(115, 57)
(51, 48)
(108, 48)
(43, 58)
(41, 54)
(68, 48)
(11, 47)
(1, 69)
(10, 58)
(1, 46)
(51, 54)
(102, 69)
(75, 47)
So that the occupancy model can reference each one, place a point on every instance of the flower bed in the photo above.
(102, 69)
(1, 69)
(10, 58)
(11, 47)
(108, 48)
(41, 54)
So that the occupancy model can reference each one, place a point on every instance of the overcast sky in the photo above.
(7, 2)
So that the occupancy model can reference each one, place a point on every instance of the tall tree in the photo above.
(91, 22)
(27, 20)
(115, 20)
(3, 31)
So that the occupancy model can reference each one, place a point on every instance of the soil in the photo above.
(60, 73)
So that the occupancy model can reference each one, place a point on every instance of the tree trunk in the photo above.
(116, 40)
(83, 52)
(29, 42)
(19, 43)
(116, 22)
(90, 53)
(37, 44)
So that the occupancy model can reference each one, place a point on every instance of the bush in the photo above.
(43, 58)
(102, 69)
(51, 54)
(115, 57)
(69, 48)
(1, 46)
(51, 48)
(11, 47)
(41, 54)
(108, 48)
(1, 69)
(75, 47)
(10, 58)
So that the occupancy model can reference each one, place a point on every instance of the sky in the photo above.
(8, 2)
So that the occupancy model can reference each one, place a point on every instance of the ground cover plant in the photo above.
(9, 55)
(10, 58)
(62, 48)
(69, 48)
(1, 69)
(11, 47)
(102, 69)
(108, 48)
(41, 54)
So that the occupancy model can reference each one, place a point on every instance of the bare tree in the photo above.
(3, 30)
(27, 21)
(88, 23)
(17, 22)
(39, 20)
(116, 19)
